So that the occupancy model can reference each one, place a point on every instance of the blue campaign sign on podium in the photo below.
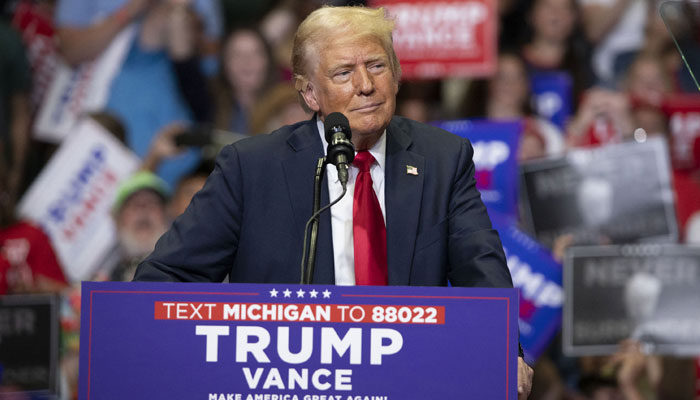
(243, 341)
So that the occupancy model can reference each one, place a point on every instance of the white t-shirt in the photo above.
(627, 35)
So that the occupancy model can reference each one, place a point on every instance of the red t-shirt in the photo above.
(602, 131)
(24, 245)
(687, 187)
(4, 269)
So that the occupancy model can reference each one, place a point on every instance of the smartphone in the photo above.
(195, 136)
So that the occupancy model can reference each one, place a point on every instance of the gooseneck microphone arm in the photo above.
(308, 267)
(308, 272)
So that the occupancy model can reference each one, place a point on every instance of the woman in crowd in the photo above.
(507, 97)
(555, 44)
(247, 71)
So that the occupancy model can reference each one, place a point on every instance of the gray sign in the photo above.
(614, 194)
(29, 344)
(650, 293)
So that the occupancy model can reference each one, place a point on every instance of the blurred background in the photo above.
(584, 116)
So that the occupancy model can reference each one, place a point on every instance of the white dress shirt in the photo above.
(341, 213)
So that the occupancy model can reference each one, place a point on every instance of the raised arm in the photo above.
(81, 43)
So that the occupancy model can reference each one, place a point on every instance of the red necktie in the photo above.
(369, 232)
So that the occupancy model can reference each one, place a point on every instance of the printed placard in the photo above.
(683, 111)
(444, 38)
(538, 278)
(72, 197)
(552, 96)
(650, 293)
(247, 341)
(29, 345)
(495, 160)
(613, 194)
(76, 91)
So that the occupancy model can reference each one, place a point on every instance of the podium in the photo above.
(143, 340)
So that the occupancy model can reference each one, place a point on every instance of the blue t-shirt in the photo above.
(144, 94)
(83, 13)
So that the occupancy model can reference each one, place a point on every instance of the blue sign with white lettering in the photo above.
(495, 159)
(538, 278)
(145, 340)
(552, 96)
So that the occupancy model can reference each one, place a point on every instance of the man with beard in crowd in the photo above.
(140, 215)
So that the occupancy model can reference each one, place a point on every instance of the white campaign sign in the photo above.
(75, 91)
(72, 197)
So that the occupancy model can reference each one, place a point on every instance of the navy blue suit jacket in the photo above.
(248, 220)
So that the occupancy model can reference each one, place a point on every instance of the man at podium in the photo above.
(412, 214)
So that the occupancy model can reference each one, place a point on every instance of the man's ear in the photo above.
(309, 95)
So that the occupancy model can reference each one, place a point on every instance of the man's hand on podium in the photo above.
(524, 379)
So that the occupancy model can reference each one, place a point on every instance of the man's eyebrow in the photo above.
(379, 57)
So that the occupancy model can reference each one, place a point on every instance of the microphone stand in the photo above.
(307, 273)
(307, 269)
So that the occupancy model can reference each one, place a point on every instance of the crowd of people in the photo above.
(223, 67)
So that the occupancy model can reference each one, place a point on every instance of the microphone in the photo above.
(340, 151)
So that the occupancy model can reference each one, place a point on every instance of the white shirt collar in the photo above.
(378, 151)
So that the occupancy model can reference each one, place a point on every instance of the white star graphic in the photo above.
(326, 294)
(287, 292)
(313, 293)
(273, 292)
(300, 293)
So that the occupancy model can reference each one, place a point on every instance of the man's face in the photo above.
(353, 77)
(140, 222)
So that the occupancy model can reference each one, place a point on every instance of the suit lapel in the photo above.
(403, 196)
(299, 170)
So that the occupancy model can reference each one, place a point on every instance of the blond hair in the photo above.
(351, 22)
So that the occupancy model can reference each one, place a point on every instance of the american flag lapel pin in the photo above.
(411, 170)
